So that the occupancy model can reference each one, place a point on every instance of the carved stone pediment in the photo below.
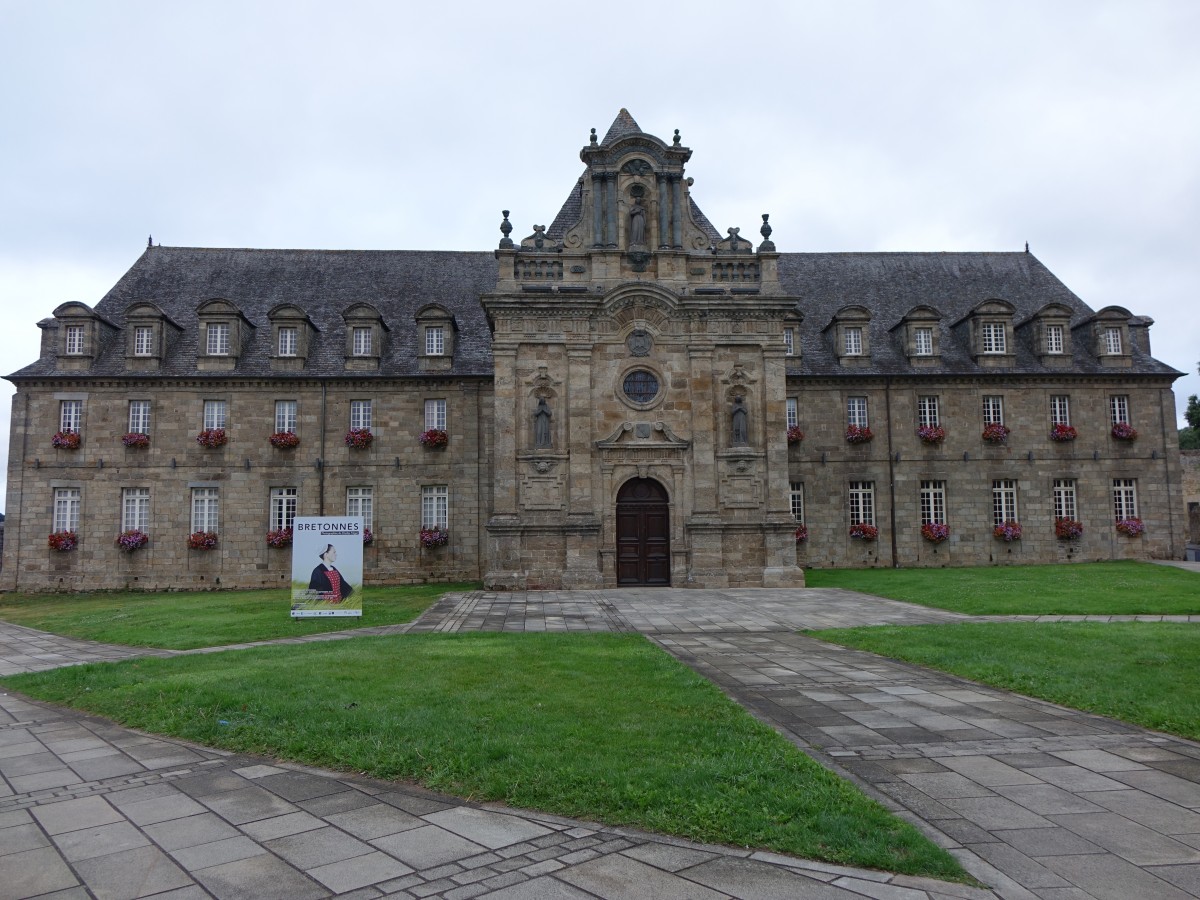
(631, 435)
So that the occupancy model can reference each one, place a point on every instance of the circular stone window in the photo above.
(640, 386)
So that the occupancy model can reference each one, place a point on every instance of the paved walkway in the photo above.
(1036, 800)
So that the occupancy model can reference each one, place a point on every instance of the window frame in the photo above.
(361, 341)
(857, 411)
(1118, 409)
(139, 416)
(435, 506)
(933, 502)
(216, 414)
(286, 414)
(793, 412)
(143, 340)
(75, 340)
(993, 409)
(206, 509)
(287, 341)
(1066, 498)
(65, 510)
(1124, 498)
(362, 414)
(435, 340)
(1055, 339)
(928, 410)
(993, 338)
(1110, 336)
(796, 501)
(435, 414)
(789, 341)
(70, 416)
(852, 340)
(360, 501)
(135, 509)
(284, 501)
(1060, 409)
(216, 338)
(922, 340)
(1004, 501)
(861, 502)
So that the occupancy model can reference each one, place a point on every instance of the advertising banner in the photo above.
(327, 566)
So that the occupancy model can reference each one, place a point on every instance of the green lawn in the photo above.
(602, 727)
(1108, 588)
(185, 620)
(1141, 672)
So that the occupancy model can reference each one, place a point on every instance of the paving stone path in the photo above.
(1036, 800)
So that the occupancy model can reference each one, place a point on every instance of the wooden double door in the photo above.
(643, 533)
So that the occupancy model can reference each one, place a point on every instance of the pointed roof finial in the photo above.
(150, 241)
(506, 229)
(1027, 246)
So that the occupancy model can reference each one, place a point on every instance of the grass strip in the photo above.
(1139, 672)
(185, 620)
(602, 727)
(1105, 588)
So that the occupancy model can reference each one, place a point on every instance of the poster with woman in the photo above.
(327, 566)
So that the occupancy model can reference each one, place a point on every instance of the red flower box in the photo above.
(285, 440)
(368, 537)
(1063, 433)
(935, 532)
(136, 440)
(63, 541)
(434, 439)
(1008, 532)
(858, 434)
(864, 532)
(794, 434)
(1131, 527)
(434, 537)
(359, 438)
(931, 434)
(279, 538)
(66, 440)
(801, 534)
(133, 539)
(212, 438)
(202, 540)
(995, 433)
(1068, 529)
(1123, 431)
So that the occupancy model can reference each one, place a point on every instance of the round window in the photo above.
(641, 386)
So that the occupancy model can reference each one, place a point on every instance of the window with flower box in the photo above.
(139, 416)
(285, 416)
(135, 509)
(217, 342)
(360, 501)
(206, 508)
(283, 507)
(1118, 409)
(797, 500)
(933, 502)
(1004, 501)
(215, 414)
(1065, 505)
(793, 412)
(1060, 409)
(856, 411)
(360, 414)
(927, 411)
(66, 509)
(1054, 339)
(435, 506)
(862, 503)
(993, 410)
(1124, 492)
(75, 338)
(288, 340)
(435, 414)
(70, 415)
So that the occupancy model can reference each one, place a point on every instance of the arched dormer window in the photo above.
(850, 331)
(436, 332)
(223, 333)
(77, 335)
(291, 336)
(920, 335)
(989, 330)
(1049, 334)
(365, 330)
(1107, 335)
(148, 332)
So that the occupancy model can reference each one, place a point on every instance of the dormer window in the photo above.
(988, 328)
(1054, 339)
(75, 336)
(292, 332)
(922, 341)
(361, 340)
(993, 338)
(851, 337)
(148, 331)
(917, 333)
(853, 340)
(1108, 331)
(143, 340)
(224, 331)
(436, 333)
(365, 330)
(1112, 341)
(287, 340)
(218, 339)
(435, 340)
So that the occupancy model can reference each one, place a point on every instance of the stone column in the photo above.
(579, 439)
(676, 213)
(663, 218)
(610, 183)
(597, 210)
(779, 543)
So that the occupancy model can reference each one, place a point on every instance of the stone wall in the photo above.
(1191, 492)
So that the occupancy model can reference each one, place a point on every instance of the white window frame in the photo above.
(216, 414)
(1054, 339)
(135, 509)
(933, 503)
(70, 415)
(361, 343)
(435, 340)
(793, 412)
(993, 409)
(1112, 342)
(139, 416)
(862, 502)
(361, 414)
(360, 501)
(66, 509)
(435, 506)
(789, 342)
(76, 335)
(923, 341)
(289, 340)
(856, 412)
(217, 339)
(852, 338)
(206, 509)
(143, 340)
(283, 507)
(994, 339)
(285, 416)
(1066, 499)
(1125, 505)
(1060, 409)
(1004, 501)
(435, 414)
(796, 497)
(927, 410)
(1118, 409)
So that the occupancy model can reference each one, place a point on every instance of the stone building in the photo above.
(627, 397)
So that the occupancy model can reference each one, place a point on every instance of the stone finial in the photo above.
(539, 236)
(150, 242)
(593, 140)
(506, 229)
(675, 140)
(767, 246)
(733, 233)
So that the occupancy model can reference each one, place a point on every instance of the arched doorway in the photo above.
(643, 533)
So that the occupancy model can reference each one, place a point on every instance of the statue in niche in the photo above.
(741, 429)
(637, 223)
(541, 426)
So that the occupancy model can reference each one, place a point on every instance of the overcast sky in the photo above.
(386, 125)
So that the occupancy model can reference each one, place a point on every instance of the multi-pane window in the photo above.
(218, 339)
(856, 411)
(1124, 498)
(1004, 501)
(143, 340)
(70, 415)
(435, 414)
(139, 416)
(66, 509)
(933, 503)
(435, 340)
(214, 414)
(285, 416)
(283, 507)
(1118, 409)
(135, 509)
(853, 337)
(206, 506)
(1065, 505)
(1060, 409)
(1054, 339)
(74, 340)
(1112, 341)
(360, 414)
(789, 341)
(993, 338)
(923, 341)
(793, 412)
(361, 340)
(797, 497)
(435, 506)
(287, 340)
(862, 503)
(927, 411)
(360, 501)
(993, 410)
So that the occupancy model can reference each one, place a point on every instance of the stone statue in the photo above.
(541, 425)
(741, 430)
(637, 223)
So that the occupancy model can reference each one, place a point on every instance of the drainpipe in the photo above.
(887, 394)
(321, 459)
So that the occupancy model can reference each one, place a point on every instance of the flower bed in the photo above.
(279, 538)
(1068, 529)
(359, 438)
(434, 537)
(801, 534)
(995, 433)
(864, 532)
(1123, 431)
(133, 539)
(1063, 433)
(1131, 527)
(794, 434)
(858, 434)
(202, 540)
(285, 440)
(931, 434)
(212, 438)
(368, 537)
(63, 541)
(935, 532)
(136, 440)
(65, 440)
(1008, 532)
(434, 439)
